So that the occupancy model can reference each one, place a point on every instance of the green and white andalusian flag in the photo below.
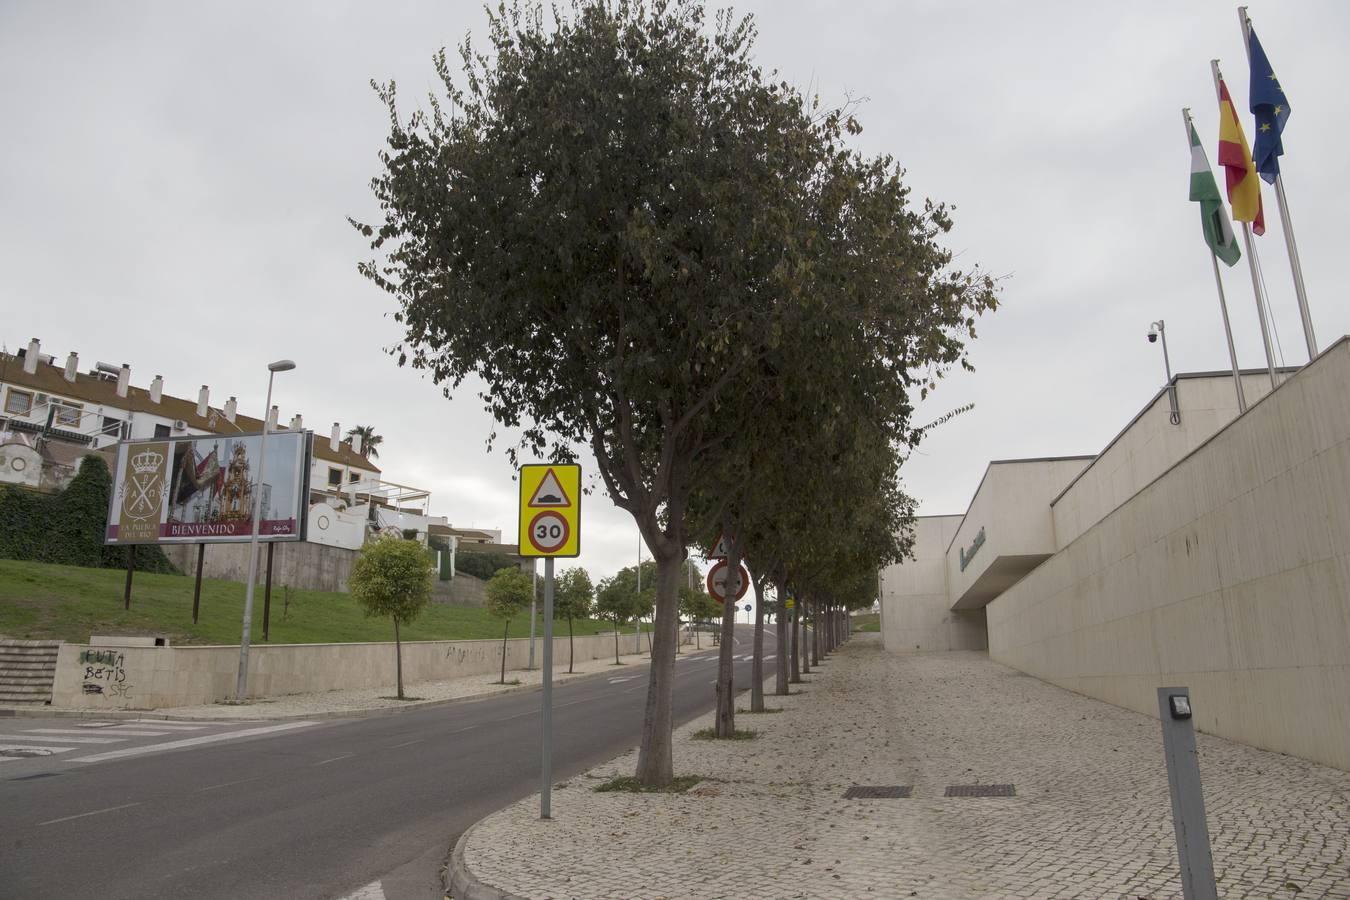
(1205, 191)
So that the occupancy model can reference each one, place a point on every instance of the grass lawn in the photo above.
(867, 622)
(39, 601)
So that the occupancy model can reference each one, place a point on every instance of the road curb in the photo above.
(462, 884)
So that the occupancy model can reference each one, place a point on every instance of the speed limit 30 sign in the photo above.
(550, 510)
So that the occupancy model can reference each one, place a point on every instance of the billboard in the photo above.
(199, 489)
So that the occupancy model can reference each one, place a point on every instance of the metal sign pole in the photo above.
(1188, 800)
(545, 795)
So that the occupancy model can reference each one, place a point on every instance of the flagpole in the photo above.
(1223, 301)
(1286, 224)
(1251, 261)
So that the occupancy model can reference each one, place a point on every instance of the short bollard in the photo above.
(1188, 801)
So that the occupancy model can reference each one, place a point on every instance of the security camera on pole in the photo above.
(550, 526)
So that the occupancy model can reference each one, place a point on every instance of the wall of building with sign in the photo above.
(916, 614)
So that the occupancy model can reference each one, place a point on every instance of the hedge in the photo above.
(67, 528)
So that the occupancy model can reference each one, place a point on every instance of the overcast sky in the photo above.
(174, 180)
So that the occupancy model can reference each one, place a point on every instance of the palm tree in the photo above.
(370, 441)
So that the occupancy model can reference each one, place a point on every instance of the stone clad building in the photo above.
(1212, 552)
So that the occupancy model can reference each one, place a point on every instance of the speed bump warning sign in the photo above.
(550, 510)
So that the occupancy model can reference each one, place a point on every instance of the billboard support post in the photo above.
(197, 591)
(241, 683)
(131, 567)
(267, 593)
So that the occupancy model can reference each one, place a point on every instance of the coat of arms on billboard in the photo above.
(142, 493)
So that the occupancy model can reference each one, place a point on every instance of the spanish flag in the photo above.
(1244, 187)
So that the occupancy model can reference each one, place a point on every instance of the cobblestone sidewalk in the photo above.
(1090, 819)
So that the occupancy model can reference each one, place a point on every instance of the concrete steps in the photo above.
(27, 670)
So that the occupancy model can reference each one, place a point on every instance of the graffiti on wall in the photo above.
(105, 673)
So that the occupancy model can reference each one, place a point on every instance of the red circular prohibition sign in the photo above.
(712, 581)
(564, 530)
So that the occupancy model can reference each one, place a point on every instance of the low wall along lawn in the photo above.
(157, 677)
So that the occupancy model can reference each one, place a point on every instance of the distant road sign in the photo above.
(550, 510)
(748, 607)
(718, 578)
(719, 550)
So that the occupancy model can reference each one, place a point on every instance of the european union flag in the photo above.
(1271, 109)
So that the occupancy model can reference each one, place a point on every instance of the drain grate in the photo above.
(879, 792)
(980, 790)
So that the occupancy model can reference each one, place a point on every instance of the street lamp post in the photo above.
(241, 686)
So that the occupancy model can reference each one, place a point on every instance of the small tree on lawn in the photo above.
(392, 577)
(572, 599)
(508, 592)
(615, 601)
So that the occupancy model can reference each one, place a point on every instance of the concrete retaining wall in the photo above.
(158, 677)
(1229, 574)
(297, 564)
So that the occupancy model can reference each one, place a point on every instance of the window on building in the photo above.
(18, 403)
(334, 477)
(353, 477)
(111, 427)
(68, 413)
(161, 431)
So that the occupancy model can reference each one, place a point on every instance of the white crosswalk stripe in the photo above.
(77, 731)
(192, 742)
(28, 751)
(47, 738)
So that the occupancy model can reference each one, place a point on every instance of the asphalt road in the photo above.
(317, 811)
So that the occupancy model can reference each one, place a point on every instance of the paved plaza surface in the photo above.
(1091, 816)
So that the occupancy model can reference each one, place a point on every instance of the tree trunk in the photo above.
(806, 636)
(505, 633)
(655, 766)
(780, 684)
(571, 647)
(815, 633)
(757, 665)
(725, 724)
(796, 676)
(398, 658)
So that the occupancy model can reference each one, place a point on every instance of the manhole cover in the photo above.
(878, 792)
(980, 790)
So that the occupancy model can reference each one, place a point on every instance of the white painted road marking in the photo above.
(226, 784)
(25, 751)
(335, 759)
(192, 742)
(160, 723)
(77, 731)
(407, 743)
(372, 891)
(62, 740)
(97, 812)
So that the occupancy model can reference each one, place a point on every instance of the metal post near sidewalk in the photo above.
(1188, 800)
(546, 717)
(131, 567)
(534, 593)
(267, 593)
(197, 591)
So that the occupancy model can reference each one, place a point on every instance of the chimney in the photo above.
(271, 419)
(72, 366)
(157, 389)
(30, 359)
(335, 441)
(123, 380)
(203, 398)
(356, 444)
(231, 409)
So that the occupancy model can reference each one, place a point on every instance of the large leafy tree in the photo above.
(370, 441)
(392, 577)
(615, 222)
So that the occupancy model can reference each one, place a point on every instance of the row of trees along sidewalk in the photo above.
(649, 250)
